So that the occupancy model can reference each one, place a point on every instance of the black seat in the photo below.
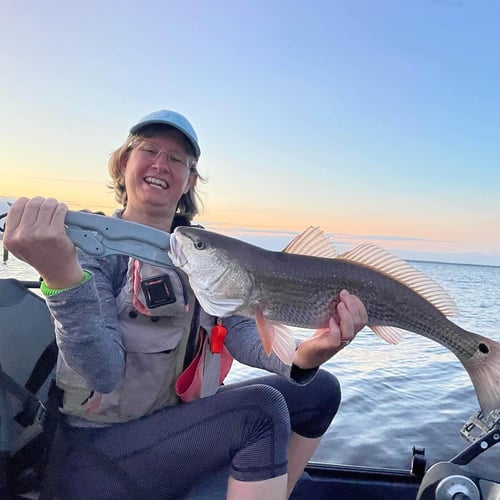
(26, 342)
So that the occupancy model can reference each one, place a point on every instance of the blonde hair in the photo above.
(189, 204)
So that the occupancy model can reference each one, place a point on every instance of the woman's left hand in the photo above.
(326, 342)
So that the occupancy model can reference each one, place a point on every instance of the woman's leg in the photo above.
(300, 451)
(269, 489)
(312, 408)
(247, 429)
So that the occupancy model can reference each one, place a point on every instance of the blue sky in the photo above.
(378, 120)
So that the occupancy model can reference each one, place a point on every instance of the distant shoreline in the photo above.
(451, 263)
(413, 260)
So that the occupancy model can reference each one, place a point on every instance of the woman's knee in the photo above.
(320, 403)
(329, 388)
(269, 405)
(265, 436)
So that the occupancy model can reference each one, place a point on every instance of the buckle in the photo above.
(40, 414)
(32, 413)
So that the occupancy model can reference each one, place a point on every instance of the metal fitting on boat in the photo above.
(456, 486)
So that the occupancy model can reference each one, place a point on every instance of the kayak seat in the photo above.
(26, 338)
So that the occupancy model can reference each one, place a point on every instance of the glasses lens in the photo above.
(179, 159)
(152, 151)
(149, 150)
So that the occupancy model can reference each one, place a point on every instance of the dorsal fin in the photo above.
(313, 242)
(398, 269)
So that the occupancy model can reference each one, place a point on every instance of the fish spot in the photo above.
(483, 348)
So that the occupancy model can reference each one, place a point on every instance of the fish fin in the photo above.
(398, 269)
(313, 242)
(284, 343)
(276, 338)
(484, 370)
(266, 332)
(390, 334)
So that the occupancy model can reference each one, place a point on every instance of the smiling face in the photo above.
(156, 180)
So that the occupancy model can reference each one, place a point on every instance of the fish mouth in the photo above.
(175, 253)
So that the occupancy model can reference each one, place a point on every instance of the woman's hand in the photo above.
(326, 342)
(35, 233)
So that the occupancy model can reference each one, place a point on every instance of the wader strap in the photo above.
(211, 373)
(43, 368)
(33, 408)
(40, 373)
(193, 340)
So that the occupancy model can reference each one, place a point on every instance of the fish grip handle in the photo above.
(100, 235)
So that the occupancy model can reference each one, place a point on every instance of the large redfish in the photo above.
(300, 287)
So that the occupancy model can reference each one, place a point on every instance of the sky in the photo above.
(377, 120)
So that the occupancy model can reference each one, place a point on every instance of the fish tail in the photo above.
(484, 370)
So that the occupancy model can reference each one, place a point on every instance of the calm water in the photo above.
(397, 397)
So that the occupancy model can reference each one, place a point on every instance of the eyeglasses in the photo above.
(151, 151)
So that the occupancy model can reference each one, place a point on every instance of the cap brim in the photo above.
(193, 142)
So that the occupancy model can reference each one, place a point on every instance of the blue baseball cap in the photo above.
(173, 119)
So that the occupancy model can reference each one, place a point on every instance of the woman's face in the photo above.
(157, 172)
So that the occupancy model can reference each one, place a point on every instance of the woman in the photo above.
(124, 348)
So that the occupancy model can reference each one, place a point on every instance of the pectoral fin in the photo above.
(276, 338)
(266, 332)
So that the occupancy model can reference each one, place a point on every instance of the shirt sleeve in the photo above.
(86, 325)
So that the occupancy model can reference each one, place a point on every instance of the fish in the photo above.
(300, 287)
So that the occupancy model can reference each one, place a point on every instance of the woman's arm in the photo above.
(86, 325)
(244, 344)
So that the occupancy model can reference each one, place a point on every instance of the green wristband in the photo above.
(54, 291)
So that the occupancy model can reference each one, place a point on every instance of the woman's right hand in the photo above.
(35, 233)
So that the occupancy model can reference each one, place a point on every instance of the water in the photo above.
(397, 397)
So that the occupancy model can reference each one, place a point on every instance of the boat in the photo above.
(25, 321)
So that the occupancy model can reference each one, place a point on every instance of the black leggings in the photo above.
(245, 426)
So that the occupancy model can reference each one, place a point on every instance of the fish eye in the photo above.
(198, 244)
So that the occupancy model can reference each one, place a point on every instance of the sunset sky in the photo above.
(378, 120)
